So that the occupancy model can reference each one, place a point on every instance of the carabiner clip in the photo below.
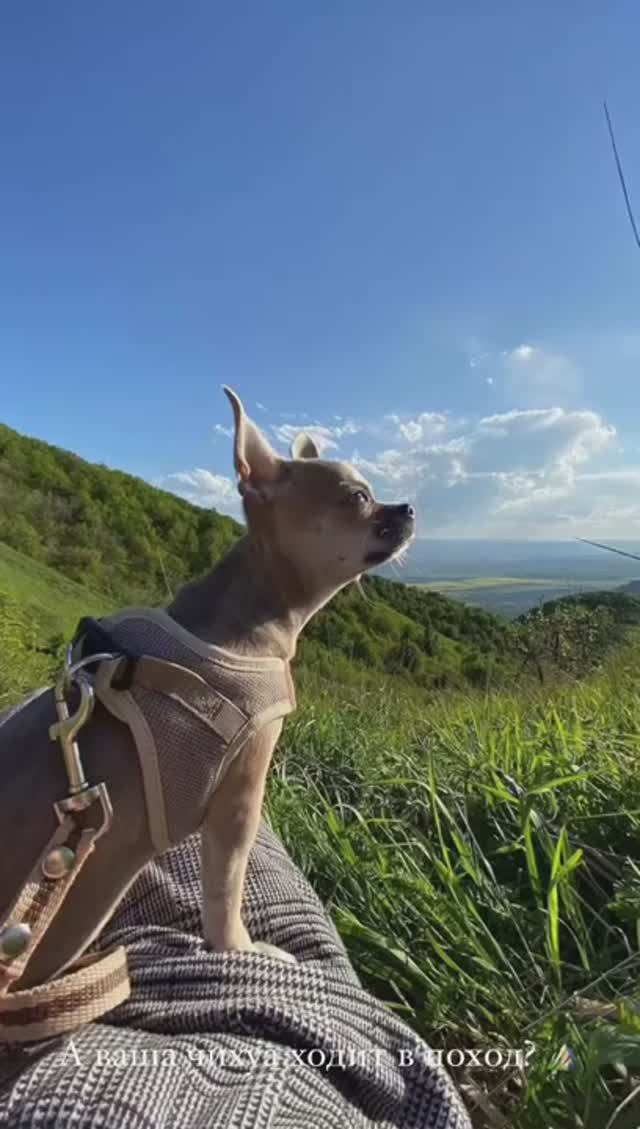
(66, 727)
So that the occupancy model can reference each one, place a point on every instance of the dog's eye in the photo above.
(361, 497)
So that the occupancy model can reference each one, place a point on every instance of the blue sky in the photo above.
(398, 223)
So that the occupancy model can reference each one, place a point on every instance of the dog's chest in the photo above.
(186, 739)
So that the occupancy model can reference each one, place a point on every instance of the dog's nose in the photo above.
(406, 510)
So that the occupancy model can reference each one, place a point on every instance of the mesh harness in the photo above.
(190, 707)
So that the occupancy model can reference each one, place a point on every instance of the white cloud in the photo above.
(426, 426)
(536, 375)
(531, 471)
(499, 474)
(476, 359)
(203, 488)
(531, 375)
(389, 465)
(534, 472)
(533, 438)
(325, 437)
(523, 353)
(599, 505)
(411, 430)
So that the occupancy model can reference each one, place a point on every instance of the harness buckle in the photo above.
(80, 801)
(67, 726)
(82, 795)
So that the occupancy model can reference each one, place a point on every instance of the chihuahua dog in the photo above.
(313, 526)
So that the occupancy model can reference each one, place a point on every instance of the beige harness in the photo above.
(190, 707)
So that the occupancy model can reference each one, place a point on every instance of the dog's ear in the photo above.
(257, 464)
(303, 447)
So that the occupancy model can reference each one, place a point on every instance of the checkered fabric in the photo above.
(244, 1041)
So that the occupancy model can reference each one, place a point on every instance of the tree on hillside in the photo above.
(569, 636)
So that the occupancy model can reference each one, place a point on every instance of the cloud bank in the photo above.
(544, 469)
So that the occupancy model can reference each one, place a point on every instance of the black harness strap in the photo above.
(96, 638)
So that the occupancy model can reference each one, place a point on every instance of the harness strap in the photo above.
(122, 705)
(188, 689)
(94, 638)
(91, 987)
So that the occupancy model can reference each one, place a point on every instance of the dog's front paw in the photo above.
(273, 951)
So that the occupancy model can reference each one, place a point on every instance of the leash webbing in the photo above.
(91, 987)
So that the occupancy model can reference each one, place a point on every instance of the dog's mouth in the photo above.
(392, 536)
(379, 556)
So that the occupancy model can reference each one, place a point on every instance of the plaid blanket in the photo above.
(243, 1041)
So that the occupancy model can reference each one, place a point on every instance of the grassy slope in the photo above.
(120, 536)
(56, 602)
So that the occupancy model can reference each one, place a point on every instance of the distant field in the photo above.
(512, 595)
(478, 582)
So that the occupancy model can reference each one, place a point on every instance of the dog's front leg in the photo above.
(228, 832)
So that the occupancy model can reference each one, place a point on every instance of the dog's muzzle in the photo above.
(393, 529)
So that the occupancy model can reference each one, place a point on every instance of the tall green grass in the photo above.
(481, 860)
(480, 856)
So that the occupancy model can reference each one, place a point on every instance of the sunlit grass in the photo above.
(477, 856)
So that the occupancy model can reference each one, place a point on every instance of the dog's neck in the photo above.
(251, 602)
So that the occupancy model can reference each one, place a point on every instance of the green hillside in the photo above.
(420, 636)
(75, 537)
(53, 600)
(107, 530)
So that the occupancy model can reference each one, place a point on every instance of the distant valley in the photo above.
(511, 577)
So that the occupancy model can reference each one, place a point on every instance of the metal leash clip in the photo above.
(81, 794)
